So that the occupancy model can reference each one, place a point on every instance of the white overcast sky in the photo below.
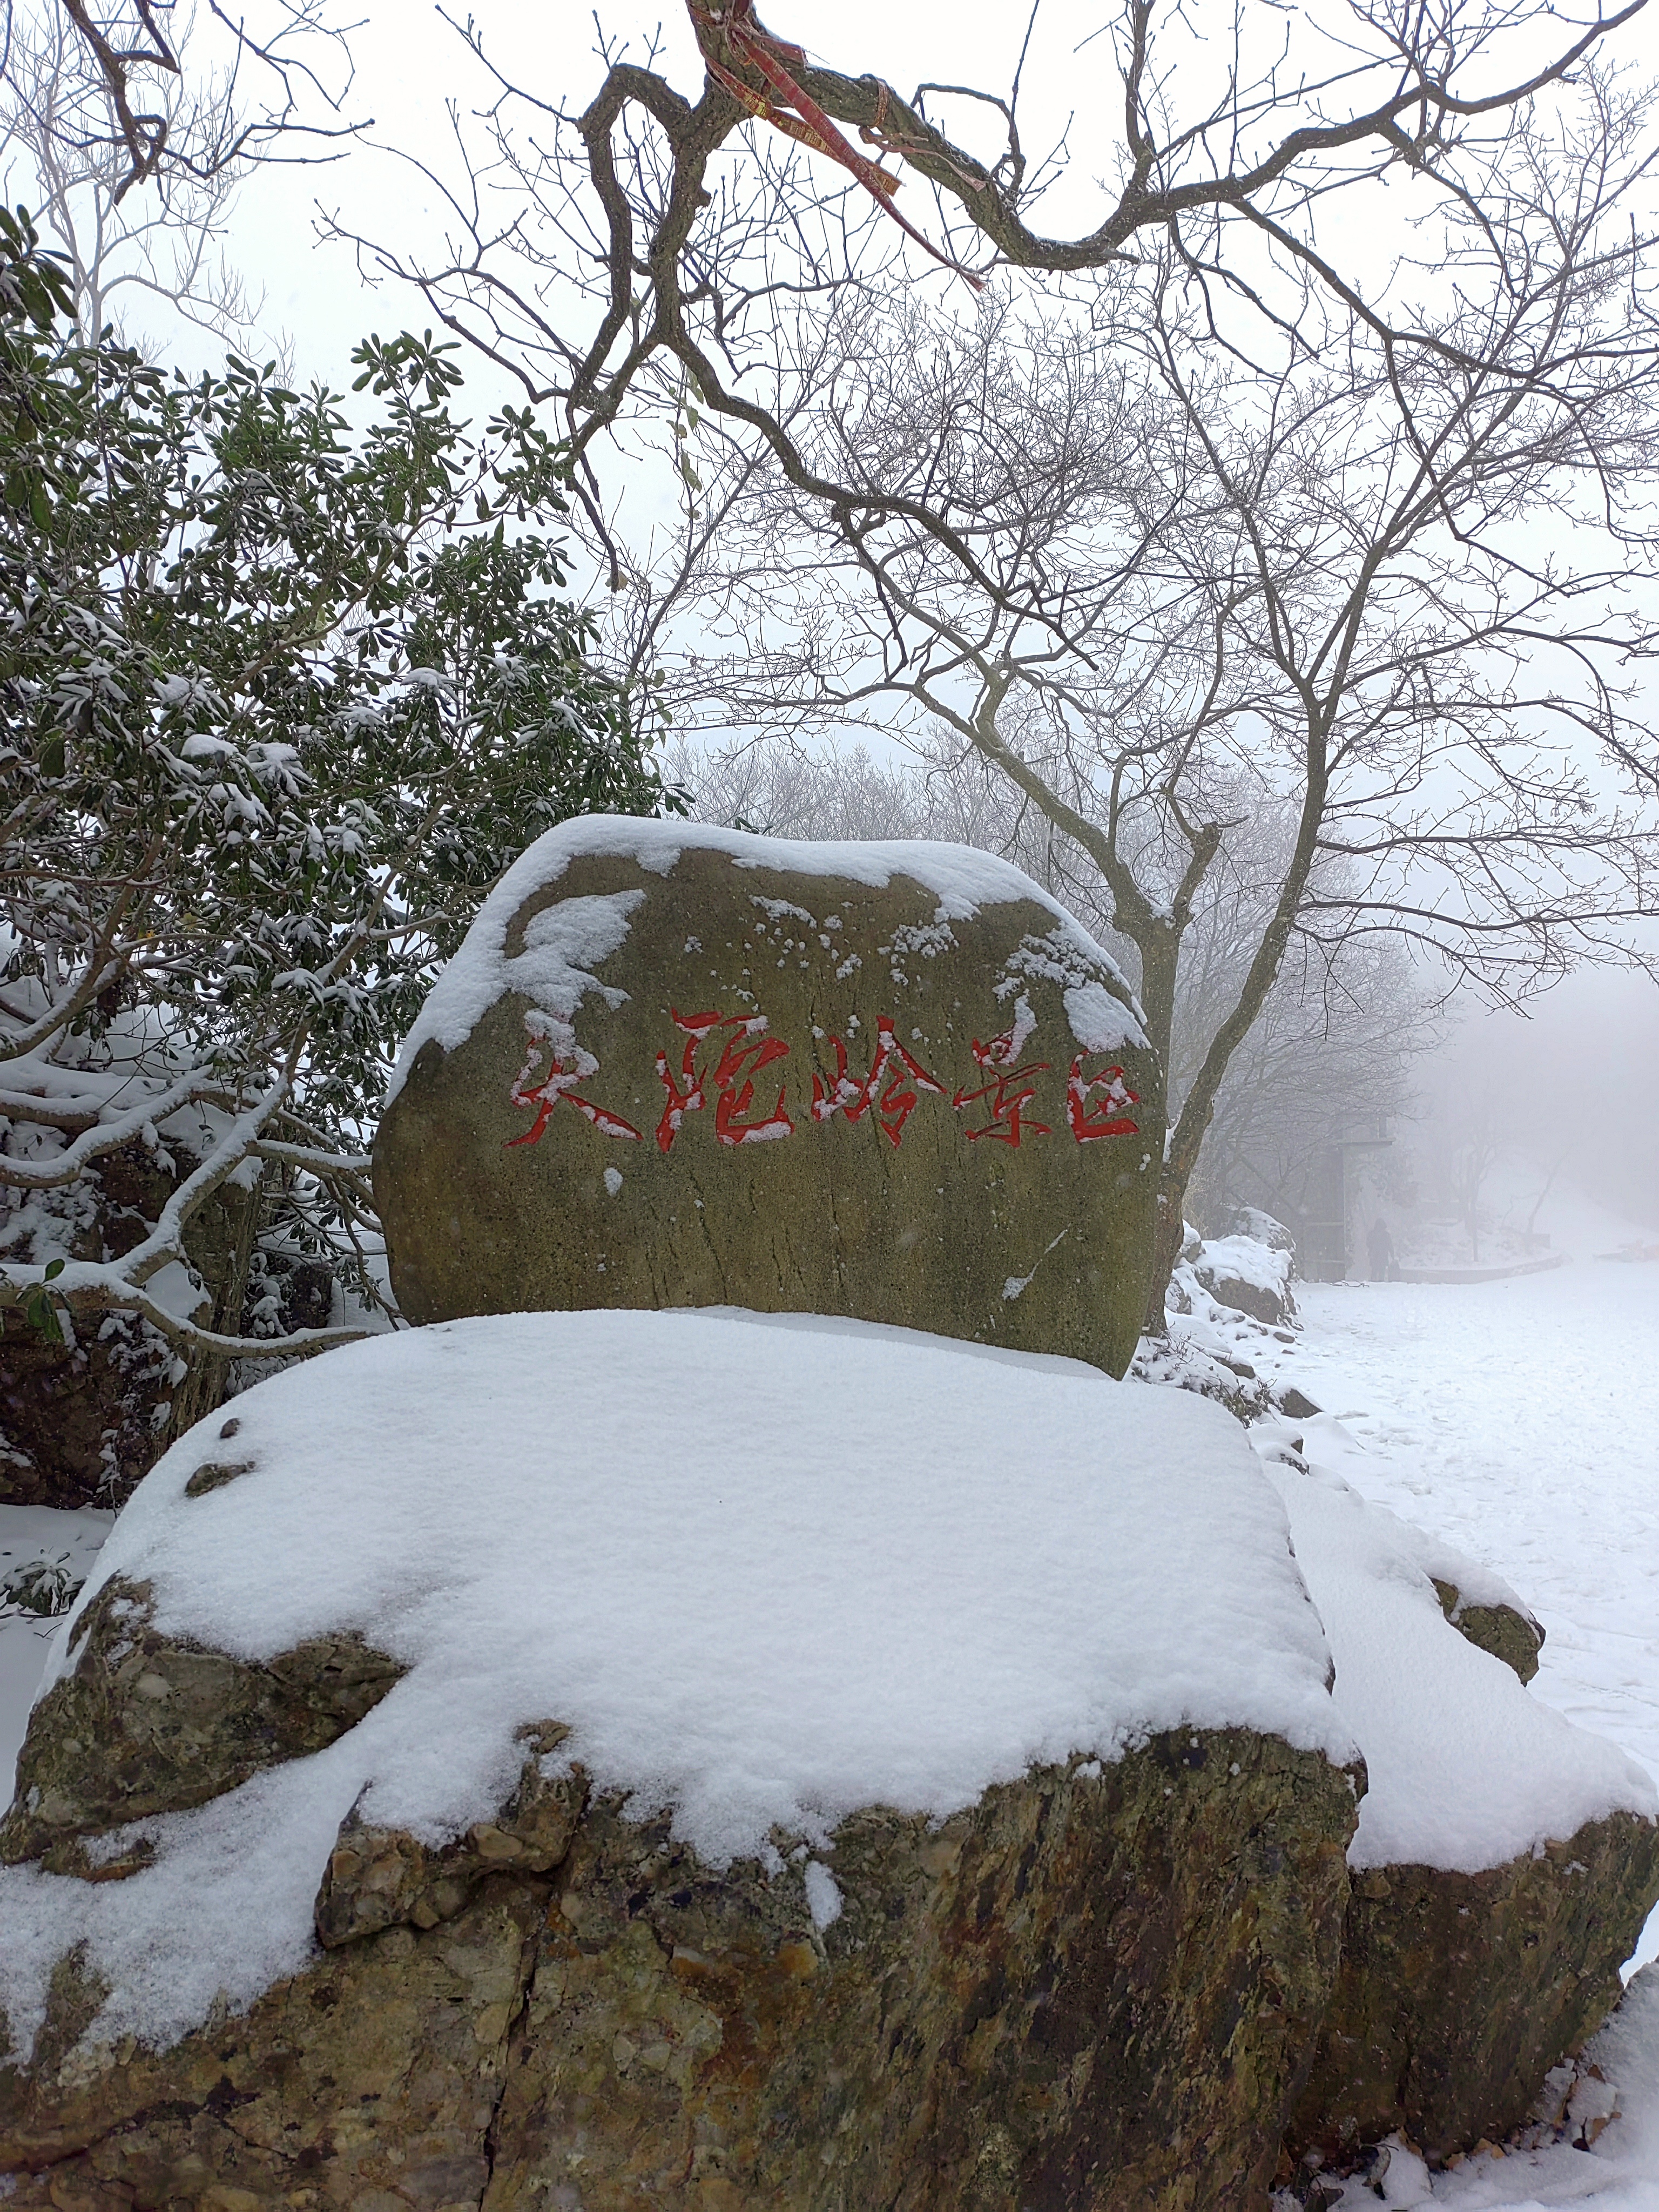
(410, 66)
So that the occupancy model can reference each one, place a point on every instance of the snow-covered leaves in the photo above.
(279, 700)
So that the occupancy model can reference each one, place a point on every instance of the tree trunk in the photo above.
(220, 1242)
(1158, 942)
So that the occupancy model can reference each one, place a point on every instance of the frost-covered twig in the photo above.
(191, 1090)
(85, 1286)
(350, 1165)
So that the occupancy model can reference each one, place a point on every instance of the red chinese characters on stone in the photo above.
(895, 1082)
(721, 1055)
(744, 1049)
(1092, 1116)
(568, 1066)
(1009, 1093)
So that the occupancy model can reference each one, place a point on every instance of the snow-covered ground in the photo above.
(1520, 1421)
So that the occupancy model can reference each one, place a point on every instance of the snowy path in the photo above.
(1520, 1421)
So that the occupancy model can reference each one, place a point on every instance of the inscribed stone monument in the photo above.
(677, 1066)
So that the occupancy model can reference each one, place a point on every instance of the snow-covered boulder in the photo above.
(674, 1065)
(1261, 1228)
(1479, 1604)
(818, 1755)
(1504, 1861)
(1210, 1343)
(1252, 1277)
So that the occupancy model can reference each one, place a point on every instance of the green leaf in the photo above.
(41, 1315)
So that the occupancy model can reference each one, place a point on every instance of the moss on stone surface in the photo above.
(1091, 1991)
(1095, 1991)
(368, 2081)
(1459, 1992)
(1514, 1637)
(376, 1877)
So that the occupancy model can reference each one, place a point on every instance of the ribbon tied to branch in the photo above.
(729, 30)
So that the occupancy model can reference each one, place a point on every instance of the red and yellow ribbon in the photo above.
(791, 109)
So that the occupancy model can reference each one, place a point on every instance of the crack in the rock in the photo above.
(491, 2142)
(701, 1209)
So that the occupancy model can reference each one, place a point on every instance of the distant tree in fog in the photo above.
(127, 140)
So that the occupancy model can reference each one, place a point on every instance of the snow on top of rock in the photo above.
(1476, 1583)
(1262, 1228)
(1243, 1260)
(555, 968)
(766, 1571)
(1467, 1769)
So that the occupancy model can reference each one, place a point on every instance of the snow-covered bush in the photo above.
(278, 701)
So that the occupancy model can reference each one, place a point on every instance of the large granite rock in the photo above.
(759, 1819)
(1095, 1989)
(678, 1065)
(1458, 1992)
(1092, 1990)
(672, 1944)
(1504, 1861)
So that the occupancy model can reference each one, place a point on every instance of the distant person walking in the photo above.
(1379, 1245)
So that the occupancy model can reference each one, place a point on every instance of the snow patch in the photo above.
(764, 1583)
(822, 1898)
(1099, 1021)
(1245, 1259)
(959, 877)
(1467, 1771)
(562, 946)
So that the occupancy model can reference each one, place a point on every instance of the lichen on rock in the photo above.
(145, 1724)
(1458, 1992)
(369, 2080)
(1504, 1630)
(376, 1876)
(1504, 1861)
(1098, 1986)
